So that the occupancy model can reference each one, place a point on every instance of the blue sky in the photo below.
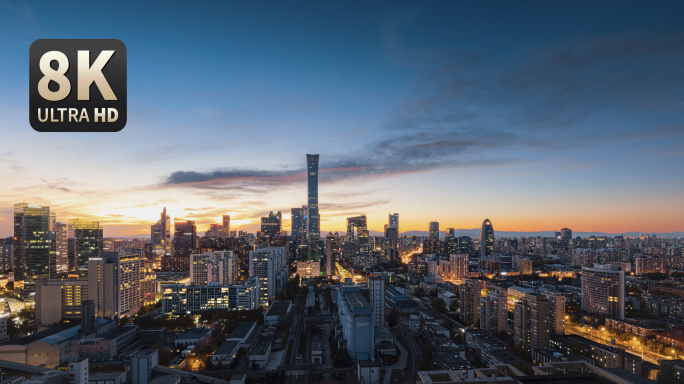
(537, 115)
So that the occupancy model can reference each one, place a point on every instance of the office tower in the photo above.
(486, 239)
(271, 226)
(61, 246)
(525, 266)
(362, 240)
(131, 294)
(376, 287)
(219, 266)
(297, 222)
(226, 226)
(465, 244)
(7, 253)
(469, 301)
(313, 223)
(603, 291)
(184, 244)
(356, 318)
(149, 284)
(557, 309)
(103, 284)
(394, 221)
(433, 231)
(34, 247)
(269, 266)
(493, 312)
(58, 299)
(459, 266)
(180, 300)
(161, 235)
(329, 238)
(87, 317)
(584, 257)
(87, 237)
(566, 234)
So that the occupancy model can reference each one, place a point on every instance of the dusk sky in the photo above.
(536, 115)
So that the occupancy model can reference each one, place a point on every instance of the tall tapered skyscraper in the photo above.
(486, 239)
(313, 219)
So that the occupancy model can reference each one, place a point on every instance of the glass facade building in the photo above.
(313, 217)
(34, 247)
(486, 239)
(87, 237)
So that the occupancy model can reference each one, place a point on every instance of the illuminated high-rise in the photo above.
(603, 291)
(184, 244)
(87, 237)
(226, 226)
(313, 226)
(34, 247)
(161, 235)
(62, 248)
(271, 226)
(362, 239)
(394, 221)
(486, 239)
(433, 231)
(298, 222)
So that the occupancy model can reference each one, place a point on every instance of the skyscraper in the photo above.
(160, 234)
(469, 301)
(184, 244)
(486, 239)
(459, 266)
(297, 222)
(313, 223)
(433, 231)
(328, 253)
(603, 291)
(34, 247)
(226, 226)
(269, 266)
(62, 248)
(566, 233)
(394, 221)
(362, 239)
(272, 225)
(218, 266)
(87, 237)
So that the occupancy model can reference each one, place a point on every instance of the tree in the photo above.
(434, 292)
(418, 291)
(454, 306)
(439, 305)
(393, 317)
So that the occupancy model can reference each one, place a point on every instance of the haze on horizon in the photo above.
(537, 116)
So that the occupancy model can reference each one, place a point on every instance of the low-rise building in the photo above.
(276, 311)
(224, 355)
(259, 356)
(243, 332)
(195, 336)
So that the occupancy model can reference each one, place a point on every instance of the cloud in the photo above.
(63, 189)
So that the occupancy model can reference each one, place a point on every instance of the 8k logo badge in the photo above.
(77, 85)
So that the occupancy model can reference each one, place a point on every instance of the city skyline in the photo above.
(448, 113)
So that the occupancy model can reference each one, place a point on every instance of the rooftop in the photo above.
(356, 299)
(227, 347)
(278, 308)
(261, 347)
(194, 334)
(242, 330)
